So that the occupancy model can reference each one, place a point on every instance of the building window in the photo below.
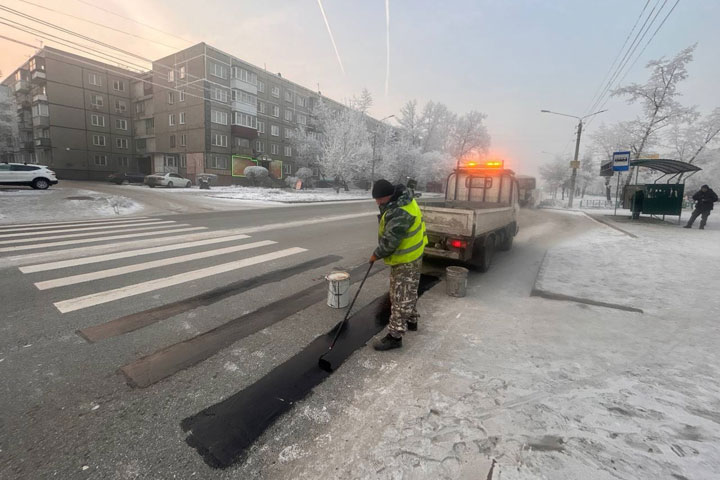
(218, 162)
(288, 96)
(261, 127)
(275, 91)
(171, 76)
(170, 161)
(123, 161)
(289, 132)
(219, 117)
(288, 151)
(242, 142)
(171, 98)
(97, 120)
(287, 169)
(95, 79)
(261, 107)
(40, 110)
(288, 115)
(182, 95)
(183, 140)
(183, 160)
(244, 119)
(171, 120)
(120, 106)
(301, 119)
(220, 140)
(274, 130)
(141, 144)
(301, 101)
(244, 75)
(276, 111)
(121, 142)
(121, 124)
(182, 118)
(244, 97)
(219, 70)
(140, 107)
(261, 86)
(181, 73)
(274, 149)
(220, 95)
(260, 146)
(99, 140)
(100, 160)
(119, 85)
(172, 141)
(97, 101)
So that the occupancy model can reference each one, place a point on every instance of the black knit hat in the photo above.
(382, 188)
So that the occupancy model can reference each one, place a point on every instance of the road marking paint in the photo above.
(113, 272)
(34, 226)
(122, 228)
(104, 227)
(98, 239)
(42, 267)
(152, 285)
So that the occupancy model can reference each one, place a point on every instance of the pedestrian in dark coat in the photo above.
(705, 199)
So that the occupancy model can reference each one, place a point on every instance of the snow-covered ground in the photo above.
(284, 195)
(20, 205)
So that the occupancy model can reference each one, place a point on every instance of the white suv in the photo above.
(36, 176)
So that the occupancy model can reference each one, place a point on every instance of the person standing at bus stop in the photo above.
(401, 243)
(705, 199)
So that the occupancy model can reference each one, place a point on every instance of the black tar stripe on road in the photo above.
(142, 319)
(223, 432)
(170, 360)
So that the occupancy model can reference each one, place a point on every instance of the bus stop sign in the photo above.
(621, 161)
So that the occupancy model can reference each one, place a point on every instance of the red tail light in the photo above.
(458, 243)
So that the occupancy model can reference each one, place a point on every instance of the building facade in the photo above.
(199, 110)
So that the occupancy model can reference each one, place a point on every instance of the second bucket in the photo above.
(338, 289)
(456, 281)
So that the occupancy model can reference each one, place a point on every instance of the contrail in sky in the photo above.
(332, 39)
(387, 45)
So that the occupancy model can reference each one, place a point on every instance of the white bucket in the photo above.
(338, 289)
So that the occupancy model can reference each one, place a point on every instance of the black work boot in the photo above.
(687, 226)
(412, 326)
(388, 342)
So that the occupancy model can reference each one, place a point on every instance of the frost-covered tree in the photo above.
(410, 121)
(658, 98)
(468, 134)
(606, 140)
(435, 126)
(8, 123)
(255, 173)
(691, 139)
(555, 174)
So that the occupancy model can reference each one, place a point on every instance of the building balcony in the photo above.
(244, 86)
(40, 121)
(23, 104)
(244, 132)
(22, 86)
(43, 142)
(244, 107)
(40, 97)
(27, 145)
(38, 76)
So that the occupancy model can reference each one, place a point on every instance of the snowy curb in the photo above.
(608, 224)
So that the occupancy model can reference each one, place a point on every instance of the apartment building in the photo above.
(74, 114)
(199, 110)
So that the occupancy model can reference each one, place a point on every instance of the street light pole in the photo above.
(576, 162)
(372, 169)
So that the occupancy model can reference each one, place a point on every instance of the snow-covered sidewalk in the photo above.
(284, 195)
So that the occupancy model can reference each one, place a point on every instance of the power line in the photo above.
(98, 24)
(19, 41)
(134, 21)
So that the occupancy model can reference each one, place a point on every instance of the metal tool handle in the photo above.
(347, 315)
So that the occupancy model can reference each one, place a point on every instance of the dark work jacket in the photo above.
(705, 200)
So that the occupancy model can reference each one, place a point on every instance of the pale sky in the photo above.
(506, 58)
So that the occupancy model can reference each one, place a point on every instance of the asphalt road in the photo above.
(103, 356)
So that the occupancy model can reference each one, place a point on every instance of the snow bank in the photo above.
(57, 204)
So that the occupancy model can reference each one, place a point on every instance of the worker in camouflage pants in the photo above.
(401, 243)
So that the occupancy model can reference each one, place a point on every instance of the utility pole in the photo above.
(576, 163)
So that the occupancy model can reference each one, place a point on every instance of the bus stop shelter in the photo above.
(658, 198)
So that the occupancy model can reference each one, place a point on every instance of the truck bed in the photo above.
(466, 219)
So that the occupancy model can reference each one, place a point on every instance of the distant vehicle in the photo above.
(479, 214)
(526, 194)
(38, 177)
(169, 180)
(126, 177)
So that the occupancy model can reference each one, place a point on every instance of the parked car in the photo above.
(167, 180)
(39, 177)
(127, 177)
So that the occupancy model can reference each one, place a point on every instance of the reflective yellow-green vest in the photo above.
(413, 245)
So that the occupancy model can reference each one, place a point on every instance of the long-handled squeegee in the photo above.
(325, 364)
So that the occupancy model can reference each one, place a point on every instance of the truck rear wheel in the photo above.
(507, 242)
(483, 253)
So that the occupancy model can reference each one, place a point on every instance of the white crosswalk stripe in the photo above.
(82, 229)
(77, 223)
(35, 246)
(113, 272)
(87, 231)
(99, 298)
